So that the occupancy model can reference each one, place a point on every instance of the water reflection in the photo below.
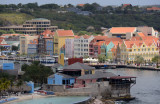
(147, 88)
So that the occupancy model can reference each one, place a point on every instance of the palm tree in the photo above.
(139, 60)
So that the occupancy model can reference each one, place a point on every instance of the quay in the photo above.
(114, 66)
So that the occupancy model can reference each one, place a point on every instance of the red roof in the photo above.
(125, 5)
(141, 34)
(121, 77)
(80, 5)
(65, 33)
(153, 8)
(48, 32)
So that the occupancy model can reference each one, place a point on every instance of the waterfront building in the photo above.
(32, 47)
(61, 79)
(78, 69)
(34, 26)
(147, 31)
(95, 45)
(81, 45)
(99, 76)
(24, 41)
(69, 48)
(45, 43)
(146, 48)
(59, 39)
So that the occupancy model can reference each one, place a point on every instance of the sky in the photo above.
(75, 2)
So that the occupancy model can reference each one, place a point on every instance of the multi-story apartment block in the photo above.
(69, 48)
(59, 39)
(45, 43)
(24, 41)
(32, 47)
(34, 26)
(81, 45)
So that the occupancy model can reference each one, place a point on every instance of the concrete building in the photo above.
(81, 45)
(59, 39)
(147, 31)
(32, 47)
(34, 26)
(69, 48)
(24, 41)
(122, 32)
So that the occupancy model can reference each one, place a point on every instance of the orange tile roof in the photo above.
(86, 36)
(76, 36)
(99, 43)
(99, 37)
(1, 38)
(80, 5)
(11, 34)
(153, 8)
(141, 34)
(125, 5)
(135, 38)
(113, 39)
(65, 33)
(116, 43)
(122, 30)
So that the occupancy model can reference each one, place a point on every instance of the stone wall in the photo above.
(54, 88)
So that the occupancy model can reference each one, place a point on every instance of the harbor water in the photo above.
(147, 87)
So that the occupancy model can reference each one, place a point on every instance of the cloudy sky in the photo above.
(74, 2)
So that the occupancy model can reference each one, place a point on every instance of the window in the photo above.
(152, 49)
(134, 49)
(138, 49)
(148, 49)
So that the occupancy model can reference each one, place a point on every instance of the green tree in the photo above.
(2, 32)
(156, 59)
(36, 72)
(11, 31)
(14, 48)
(139, 60)
(101, 58)
(4, 84)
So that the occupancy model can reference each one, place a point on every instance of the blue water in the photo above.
(54, 100)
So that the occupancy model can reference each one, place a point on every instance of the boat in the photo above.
(47, 60)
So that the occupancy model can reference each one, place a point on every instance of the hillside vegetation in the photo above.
(13, 18)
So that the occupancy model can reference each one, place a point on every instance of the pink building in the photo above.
(69, 48)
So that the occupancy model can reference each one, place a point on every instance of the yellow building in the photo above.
(24, 41)
(60, 37)
(147, 49)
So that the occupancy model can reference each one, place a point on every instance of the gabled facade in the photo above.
(131, 49)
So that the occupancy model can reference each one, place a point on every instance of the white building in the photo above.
(81, 45)
(69, 48)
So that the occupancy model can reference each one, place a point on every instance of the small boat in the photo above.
(47, 60)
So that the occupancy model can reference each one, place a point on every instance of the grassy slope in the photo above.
(13, 18)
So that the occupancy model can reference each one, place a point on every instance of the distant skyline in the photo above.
(75, 2)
